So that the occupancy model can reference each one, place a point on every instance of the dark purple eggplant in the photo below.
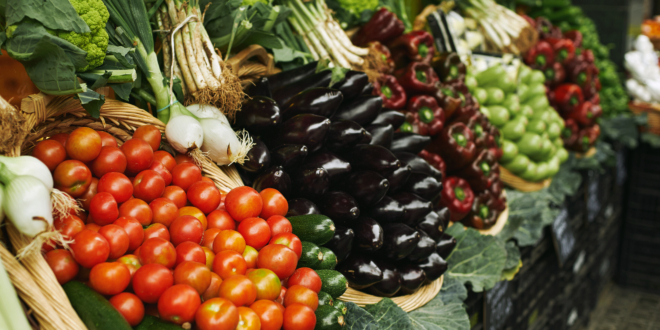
(424, 248)
(445, 245)
(432, 225)
(285, 93)
(320, 101)
(342, 242)
(289, 156)
(391, 282)
(339, 206)
(418, 164)
(415, 206)
(381, 134)
(424, 186)
(366, 139)
(368, 234)
(302, 206)
(367, 187)
(392, 117)
(434, 266)
(258, 158)
(368, 89)
(331, 163)
(409, 142)
(274, 177)
(399, 240)
(372, 158)
(306, 129)
(362, 110)
(387, 210)
(412, 278)
(398, 178)
(311, 183)
(360, 270)
(353, 84)
(444, 215)
(259, 115)
(292, 76)
(260, 87)
(343, 135)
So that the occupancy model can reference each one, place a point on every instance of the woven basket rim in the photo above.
(408, 302)
(518, 183)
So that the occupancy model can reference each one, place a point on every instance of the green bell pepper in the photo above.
(531, 91)
(499, 116)
(530, 144)
(537, 126)
(530, 173)
(538, 102)
(513, 130)
(554, 130)
(490, 76)
(518, 165)
(512, 103)
(481, 95)
(495, 96)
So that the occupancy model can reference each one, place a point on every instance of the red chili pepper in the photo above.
(418, 78)
(555, 74)
(568, 97)
(540, 56)
(416, 46)
(383, 26)
(575, 36)
(482, 213)
(434, 160)
(563, 48)
(424, 116)
(482, 171)
(570, 132)
(457, 196)
(394, 97)
(456, 145)
(586, 114)
(387, 63)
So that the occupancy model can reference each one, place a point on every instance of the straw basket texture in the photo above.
(407, 303)
(516, 182)
(652, 111)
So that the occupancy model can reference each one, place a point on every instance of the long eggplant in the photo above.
(343, 135)
(331, 163)
(432, 225)
(397, 178)
(320, 101)
(362, 110)
(339, 206)
(260, 115)
(387, 210)
(381, 134)
(274, 177)
(418, 164)
(258, 158)
(302, 206)
(415, 206)
(391, 117)
(391, 283)
(444, 215)
(434, 266)
(285, 93)
(353, 84)
(342, 242)
(399, 240)
(311, 183)
(412, 278)
(259, 88)
(368, 234)
(424, 248)
(409, 142)
(372, 158)
(292, 76)
(424, 186)
(360, 270)
(289, 156)
(368, 89)
(367, 187)
(445, 245)
(306, 129)
(366, 139)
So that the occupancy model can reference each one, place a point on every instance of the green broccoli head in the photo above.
(95, 43)
(356, 7)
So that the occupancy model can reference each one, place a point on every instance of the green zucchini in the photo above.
(341, 306)
(311, 255)
(325, 299)
(94, 310)
(315, 228)
(329, 259)
(333, 282)
(154, 323)
(329, 318)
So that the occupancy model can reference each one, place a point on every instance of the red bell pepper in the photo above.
(449, 67)
(394, 96)
(494, 142)
(383, 26)
(479, 125)
(595, 99)
(555, 74)
(455, 144)
(568, 97)
(575, 36)
(588, 56)
(424, 115)
(415, 46)
(448, 99)
(499, 200)
(563, 48)
(482, 213)
(529, 20)
(434, 160)
(545, 28)
(457, 196)
(586, 114)
(585, 138)
(541, 56)
(481, 172)
(386, 63)
(418, 78)
(570, 132)
(578, 71)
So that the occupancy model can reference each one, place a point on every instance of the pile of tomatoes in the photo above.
(159, 237)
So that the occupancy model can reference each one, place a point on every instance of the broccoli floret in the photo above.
(356, 7)
(252, 2)
(95, 43)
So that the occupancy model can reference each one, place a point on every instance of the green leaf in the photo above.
(91, 102)
(652, 139)
(477, 259)
(453, 290)
(123, 91)
(264, 39)
(53, 14)
(389, 315)
(338, 74)
(286, 54)
(357, 318)
(445, 311)
(512, 255)
(509, 274)
(521, 206)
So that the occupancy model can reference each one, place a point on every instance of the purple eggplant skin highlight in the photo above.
(340, 207)
(412, 278)
(445, 245)
(306, 129)
(367, 187)
(391, 283)
(409, 142)
(285, 93)
(353, 84)
(302, 206)
(372, 158)
(424, 248)
(292, 76)
(360, 270)
(362, 109)
(381, 134)
(368, 234)
(434, 266)
(260, 87)
(333, 164)
(399, 240)
(397, 178)
(320, 101)
(289, 156)
(368, 89)
(418, 164)
(259, 115)
(432, 224)
(424, 186)
(343, 135)
(387, 210)
(391, 117)
(311, 183)
(341, 242)
(258, 158)
(274, 177)
(415, 206)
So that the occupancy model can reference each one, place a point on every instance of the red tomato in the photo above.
(195, 212)
(289, 240)
(148, 185)
(93, 227)
(72, 177)
(210, 256)
(137, 209)
(86, 199)
(185, 174)
(156, 250)
(238, 289)
(63, 265)
(255, 231)
(217, 314)
(279, 225)
(107, 140)
(103, 209)
(129, 306)
(203, 195)
(117, 238)
(243, 202)
(209, 236)
(111, 159)
(139, 155)
(150, 281)
(194, 274)
(83, 144)
(248, 319)
(228, 263)
(186, 228)
(162, 171)
(250, 255)
(156, 230)
(117, 184)
(133, 229)
(150, 134)
(280, 298)
(207, 180)
(298, 294)
(109, 278)
(181, 158)
(299, 317)
(178, 304)
(189, 251)
(274, 203)
(176, 195)
(221, 219)
(49, 152)
(90, 248)
(164, 211)
(269, 313)
(214, 288)
(267, 283)
(164, 157)
(229, 240)
(132, 262)
(60, 137)
(306, 277)
(278, 258)
(69, 226)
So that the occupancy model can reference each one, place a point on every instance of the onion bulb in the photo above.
(28, 165)
(207, 111)
(27, 205)
(184, 133)
(222, 144)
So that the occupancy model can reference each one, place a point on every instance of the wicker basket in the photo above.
(587, 154)
(249, 70)
(652, 111)
(516, 182)
(407, 303)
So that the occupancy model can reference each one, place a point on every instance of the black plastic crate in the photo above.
(474, 307)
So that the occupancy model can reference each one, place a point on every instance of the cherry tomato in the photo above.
(186, 228)
(255, 231)
(132, 262)
(107, 140)
(93, 227)
(137, 209)
(109, 278)
(86, 199)
(278, 258)
(214, 288)
(111, 159)
(162, 171)
(129, 306)
(181, 158)
(185, 174)
(229, 240)
(103, 209)
(148, 185)
(178, 304)
(289, 240)
(306, 277)
(209, 236)
(90, 248)
(156, 250)
(150, 281)
(150, 134)
(248, 319)
(83, 144)
(203, 195)
(72, 177)
(210, 256)
(117, 184)
(176, 195)
(228, 263)
(194, 274)
(221, 219)
(243, 202)
(279, 225)
(165, 158)
(238, 289)
(117, 238)
(217, 314)
(250, 255)
(49, 152)
(69, 226)
(274, 203)
(267, 283)
(164, 211)
(269, 313)
(63, 265)
(139, 155)
(156, 230)
(299, 317)
(189, 251)
(60, 137)
(298, 294)
(195, 212)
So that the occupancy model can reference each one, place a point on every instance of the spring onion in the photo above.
(222, 144)
(207, 111)
(12, 316)
(27, 202)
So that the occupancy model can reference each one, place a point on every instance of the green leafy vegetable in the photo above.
(453, 291)
(438, 314)
(357, 318)
(389, 315)
(53, 14)
(92, 102)
(512, 255)
(95, 42)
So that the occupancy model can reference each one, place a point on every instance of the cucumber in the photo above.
(328, 318)
(94, 310)
(341, 306)
(315, 228)
(329, 259)
(332, 282)
(154, 323)
(311, 256)
(325, 299)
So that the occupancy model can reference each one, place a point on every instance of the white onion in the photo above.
(28, 165)
(184, 133)
(207, 111)
(27, 205)
(222, 144)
